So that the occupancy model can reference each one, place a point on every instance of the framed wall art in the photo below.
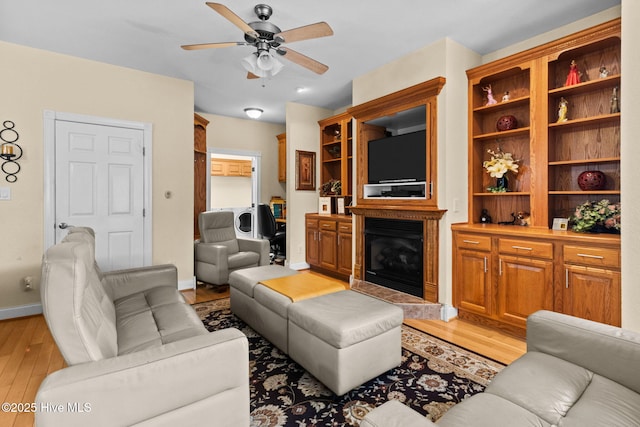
(305, 170)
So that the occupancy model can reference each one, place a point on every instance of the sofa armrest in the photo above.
(134, 280)
(606, 350)
(212, 254)
(395, 414)
(260, 246)
(187, 376)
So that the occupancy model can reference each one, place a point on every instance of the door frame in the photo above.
(256, 157)
(49, 139)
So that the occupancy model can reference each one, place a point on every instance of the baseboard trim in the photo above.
(20, 311)
(448, 312)
(184, 285)
(299, 266)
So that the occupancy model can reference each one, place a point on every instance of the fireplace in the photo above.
(394, 254)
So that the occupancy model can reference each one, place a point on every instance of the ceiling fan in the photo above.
(268, 39)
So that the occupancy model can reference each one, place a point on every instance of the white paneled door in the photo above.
(99, 183)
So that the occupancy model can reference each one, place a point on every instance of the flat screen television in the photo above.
(400, 158)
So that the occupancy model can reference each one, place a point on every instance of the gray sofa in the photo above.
(575, 373)
(137, 353)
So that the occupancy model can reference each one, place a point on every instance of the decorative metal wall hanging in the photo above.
(10, 151)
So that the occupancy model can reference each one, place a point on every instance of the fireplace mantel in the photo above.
(431, 219)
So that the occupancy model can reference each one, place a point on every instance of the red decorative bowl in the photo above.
(506, 123)
(592, 180)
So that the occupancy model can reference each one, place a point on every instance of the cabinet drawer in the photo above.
(327, 225)
(312, 223)
(601, 257)
(526, 248)
(344, 227)
(473, 241)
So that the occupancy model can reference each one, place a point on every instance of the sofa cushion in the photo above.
(243, 259)
(604, 403)
(489, 410)
(246, 279)
(152, 318)
(342, 319)
(545, 385)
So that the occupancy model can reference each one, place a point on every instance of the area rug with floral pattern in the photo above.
(434, 376)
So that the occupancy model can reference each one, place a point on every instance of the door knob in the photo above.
(64, 225)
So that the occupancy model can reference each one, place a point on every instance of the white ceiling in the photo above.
(147, 35)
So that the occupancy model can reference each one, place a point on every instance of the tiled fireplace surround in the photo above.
(414, 307)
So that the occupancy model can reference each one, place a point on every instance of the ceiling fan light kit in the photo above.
(267, 39)
(253, 113)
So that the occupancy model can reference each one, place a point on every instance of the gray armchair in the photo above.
(219, 251)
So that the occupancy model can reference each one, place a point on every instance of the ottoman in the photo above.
(267, 321)
(345, 338)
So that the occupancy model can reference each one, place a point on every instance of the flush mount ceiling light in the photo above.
(253, 113)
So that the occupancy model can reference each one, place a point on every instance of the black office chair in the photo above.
(268, 230)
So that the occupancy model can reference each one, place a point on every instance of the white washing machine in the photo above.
(244, 222)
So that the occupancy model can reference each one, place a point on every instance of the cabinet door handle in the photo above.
(485, 265)
(524, 248)
(566, 278)
(471, 242)
(591, 256)
(320, 237)
(500, 267)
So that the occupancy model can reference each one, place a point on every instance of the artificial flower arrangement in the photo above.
(602, 216)
(333, 186)
(500, 163)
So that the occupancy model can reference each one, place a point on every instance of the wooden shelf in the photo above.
(604, 118)
(586, 86)
(504, 134)
(505, 194)
(584, 161)
(580, 192)
(503, 105)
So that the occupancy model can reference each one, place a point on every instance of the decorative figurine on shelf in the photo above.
(573, 78)
(490, 99)
(506, 96)
(485, 218)
(615, 106)
(603, 72)
(562, 110)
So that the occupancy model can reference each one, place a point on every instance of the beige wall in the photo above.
(249, 135)
(303, 133)
(36, 80)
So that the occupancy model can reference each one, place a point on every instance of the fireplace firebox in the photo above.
(394, 254)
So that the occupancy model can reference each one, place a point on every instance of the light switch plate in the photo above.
(5, 193)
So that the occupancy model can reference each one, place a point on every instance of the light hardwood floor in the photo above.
(28, 353)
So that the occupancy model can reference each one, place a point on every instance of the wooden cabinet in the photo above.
(199, 169)
(328, 245)
(473, 273)
(500, 279)
(312, 247)
(345, 236)
(592, 283)
(502, 274)
(533, 267)
(282, 157)
(231, 167)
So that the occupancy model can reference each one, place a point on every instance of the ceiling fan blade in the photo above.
(312, 31)
(233, 18)
(303, 60)
(250, 75)
(211, 45)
